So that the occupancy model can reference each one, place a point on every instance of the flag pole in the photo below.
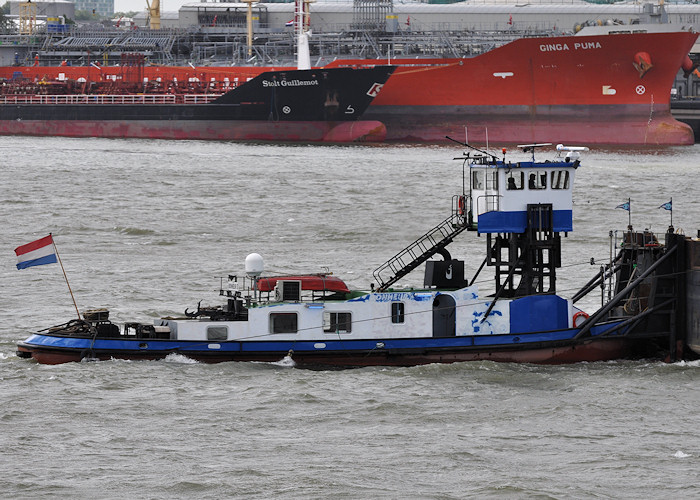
(629, 214)
(64, 275)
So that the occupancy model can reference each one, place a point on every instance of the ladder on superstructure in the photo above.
(432, 242)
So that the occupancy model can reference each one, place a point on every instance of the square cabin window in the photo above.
(560, 179)
(283, 323)
(397, 312)
(537, 180)
(340, 322)
(217, 333)
(514, 180)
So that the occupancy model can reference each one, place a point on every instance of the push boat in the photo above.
(321, 105)
(522, 207)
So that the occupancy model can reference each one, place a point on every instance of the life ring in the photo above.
(578, 315)
(460, 205)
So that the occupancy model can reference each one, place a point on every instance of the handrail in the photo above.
(108, 99)
(590, 322)
(420, 250)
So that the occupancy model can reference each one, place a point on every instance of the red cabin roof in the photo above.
(315, 282)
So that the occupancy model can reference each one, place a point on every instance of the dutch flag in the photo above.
(36, 253)
(289, 23)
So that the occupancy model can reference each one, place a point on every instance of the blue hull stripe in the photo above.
(163, 346)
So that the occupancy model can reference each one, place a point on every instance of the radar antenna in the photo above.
(527, 148)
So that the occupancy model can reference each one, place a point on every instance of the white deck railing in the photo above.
(108, 99)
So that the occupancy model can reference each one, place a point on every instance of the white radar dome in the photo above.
(254, 265)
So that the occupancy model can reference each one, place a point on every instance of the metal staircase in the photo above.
(432, 242)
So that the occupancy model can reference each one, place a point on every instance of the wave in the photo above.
(180, 359)
(134, 231)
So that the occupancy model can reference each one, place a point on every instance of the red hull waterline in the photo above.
(591, 350)
(330, 132)
(586, 125)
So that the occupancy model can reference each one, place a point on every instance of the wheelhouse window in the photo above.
(217, 333)
(515, 180)
(397, 312)
(492, 180)
(478, 179)
(340, 322)
(537, 180)
(484, 180)
(560, 179)
(283, 323)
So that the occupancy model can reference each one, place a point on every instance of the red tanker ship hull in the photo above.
(575, 88)
(589, 89)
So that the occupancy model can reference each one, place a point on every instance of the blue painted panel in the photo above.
(129, 344)
(516, 222)
(499, 340)
(69, 342)
(502, 222)
(538, 313)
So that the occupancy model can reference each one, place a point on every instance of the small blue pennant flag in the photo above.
(667, 205)
(624, 206)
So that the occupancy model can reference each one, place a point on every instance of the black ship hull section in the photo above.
(338, 94)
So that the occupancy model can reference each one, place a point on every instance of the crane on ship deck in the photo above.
(153, 14)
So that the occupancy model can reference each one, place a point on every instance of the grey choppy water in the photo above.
(146, 228)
